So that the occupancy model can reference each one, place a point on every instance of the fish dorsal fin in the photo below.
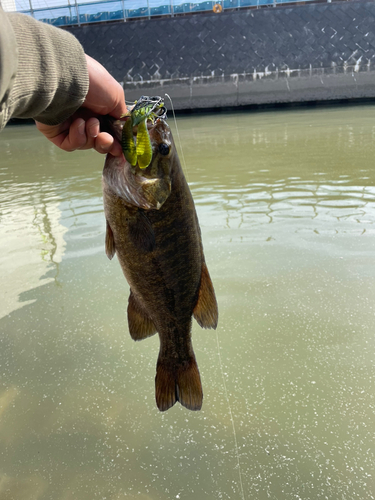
(140, 325)
(110, 248)
(206, 311)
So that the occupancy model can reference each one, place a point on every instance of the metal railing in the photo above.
(82, 12)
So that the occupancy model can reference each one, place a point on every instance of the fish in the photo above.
(152, 227)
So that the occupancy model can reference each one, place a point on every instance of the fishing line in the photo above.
(217, 339)
(231, 417)
(178, 134)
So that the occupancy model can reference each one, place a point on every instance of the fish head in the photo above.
(146, 188)
(164, 156)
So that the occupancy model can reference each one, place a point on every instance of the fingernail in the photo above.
(81, 127)
(94, 129)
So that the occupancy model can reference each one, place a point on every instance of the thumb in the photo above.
(105, 95)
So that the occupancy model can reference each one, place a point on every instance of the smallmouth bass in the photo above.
(153, 228)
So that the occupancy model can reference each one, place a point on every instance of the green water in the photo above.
(286, 202)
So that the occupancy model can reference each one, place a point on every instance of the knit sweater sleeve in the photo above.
(43, 71)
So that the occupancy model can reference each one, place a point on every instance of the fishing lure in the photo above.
(127, 143)
(146, 108)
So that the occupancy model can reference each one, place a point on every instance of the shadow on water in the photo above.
(286, 202)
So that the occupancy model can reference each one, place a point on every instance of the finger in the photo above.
(92, 127)
(82, 135)
(116, 149)
(76, 138)
(104, 142)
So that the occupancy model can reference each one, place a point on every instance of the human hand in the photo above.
(82, 129)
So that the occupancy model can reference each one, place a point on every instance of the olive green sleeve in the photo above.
(43, 71)
(8, 65)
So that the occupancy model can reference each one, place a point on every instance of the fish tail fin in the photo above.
(181, 384)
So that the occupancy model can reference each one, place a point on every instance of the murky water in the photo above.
(286, 202)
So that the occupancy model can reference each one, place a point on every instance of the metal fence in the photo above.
(60, 13)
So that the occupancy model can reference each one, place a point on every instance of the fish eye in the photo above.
(163, 149)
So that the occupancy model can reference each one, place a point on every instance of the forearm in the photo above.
(43, 71)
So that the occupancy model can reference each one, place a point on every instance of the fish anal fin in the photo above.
(110, 248)
(140, 325)
(182, 384)
(206, 311)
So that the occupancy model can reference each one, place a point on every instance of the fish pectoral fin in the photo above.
(142, 233)
(140, 325)
(110, 248)
(206, 312)
(181, 384)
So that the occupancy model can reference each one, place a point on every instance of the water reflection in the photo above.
(286, 205)
(32, 238)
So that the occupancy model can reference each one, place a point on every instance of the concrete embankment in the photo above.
(276, 55)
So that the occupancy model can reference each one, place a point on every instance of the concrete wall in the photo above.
(273, 55)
